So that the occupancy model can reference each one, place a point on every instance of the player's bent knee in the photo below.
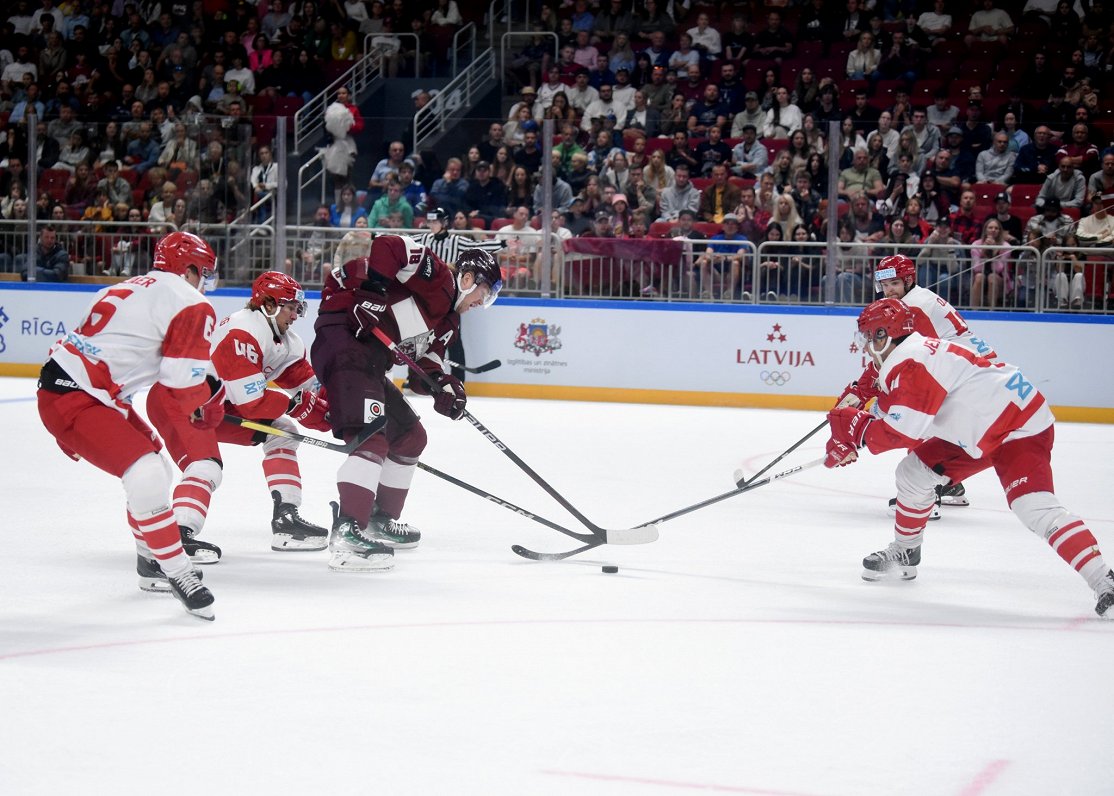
(206, 470)
(276, 443)
(916, 482)
(1042, 513)
(410, 444)
(147, 484)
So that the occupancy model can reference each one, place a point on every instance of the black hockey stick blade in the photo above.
(484, 368)
(519, 550)
(368, 431)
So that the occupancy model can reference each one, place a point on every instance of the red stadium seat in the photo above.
(479, 223)
(499, 223)
(1024, 195)
(709, 228)
(53, 181)
(660, 229)
(700, 183)
(986, 191)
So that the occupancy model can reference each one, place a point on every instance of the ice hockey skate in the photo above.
(151, 576)
(197, 600)
(952, 495)
(291, 533)
(935, 515)
(393, 533)
(892, 563)
(199, 552)
(1105, 606)
(353, 551)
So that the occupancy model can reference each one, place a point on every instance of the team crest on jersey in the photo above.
(538, 337)
(372, 409)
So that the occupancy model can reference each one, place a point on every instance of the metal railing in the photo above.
(311, 173)
(501, 13)
(520, 34)
(93, 248)
(309, 120)
(454, 99)
(464, 39)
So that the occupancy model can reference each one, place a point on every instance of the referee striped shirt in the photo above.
(449, 247)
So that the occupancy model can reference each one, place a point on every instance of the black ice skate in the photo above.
(198, 600)
(353, 551)
(1105, 605)
(151, 576)
(952, 495)
(893, 562)
(935, 515)
(199, 552)
(393, 533)
(291, 533)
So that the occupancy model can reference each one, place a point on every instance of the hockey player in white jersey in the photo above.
(958, 414)
(148, 331)
(250, 348)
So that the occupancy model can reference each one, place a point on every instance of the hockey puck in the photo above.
(610, 569)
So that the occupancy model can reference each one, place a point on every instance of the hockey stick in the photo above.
(639, 535)
(365, 433)
(738, 491)
(741, 480)
(580, 537)
(484, 368)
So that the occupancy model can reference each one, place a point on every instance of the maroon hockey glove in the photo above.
(208, 416)
(311, 410)
(366, 312)
(449, 399)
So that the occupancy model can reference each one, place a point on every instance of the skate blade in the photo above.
(956, 502)
(205, 613)
(397, 545)
(901, 573)
(285, 543)
(204, 557)
(154, 585)
(349, 562)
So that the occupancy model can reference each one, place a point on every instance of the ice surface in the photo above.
(741, 653)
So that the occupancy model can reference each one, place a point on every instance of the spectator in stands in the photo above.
(51, 260)
(720, 197)
(928, 137)
(1097, 229)
(938, 266)
(954, 166)
(860, 178)
(1102, 181)
(143, 150)
(775, 41)
(1036, 160)
(520, 192)
(392, 202)
(347, 210)
(448, 191)
(386, 168)
(990, 266)
(486, 198)
(780, 171)
(935, 24)
(1067, 184)
(1018, 138)
(989, 25)
(977, 135)
(529, 154)
(1012, 229)
(901, 61)
(965, 225)
(783, 118)
(996, 164)
(116, 187)
(750, 156)
(851, 23)
(751, 114)
(1080, 152)
(679, 196)
(941, 113)
(603, 107)
(863, 61)
(724, 252)
(82, 186)
(600, 72)
(655, 19)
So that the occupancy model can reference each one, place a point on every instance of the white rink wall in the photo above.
(654, 352)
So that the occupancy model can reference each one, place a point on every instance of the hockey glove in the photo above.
(371, 303)
(311, 409)
(208, 416)
(861, 390)
(449, 399)
(849, 425)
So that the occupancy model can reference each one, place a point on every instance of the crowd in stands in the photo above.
(980, 124)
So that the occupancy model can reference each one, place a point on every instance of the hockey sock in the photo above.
(280, 468)
(1065, 533)
(140, 545)
(160, 534)
(194, 492)
(394, 485)
(357, 481)
(909, 524)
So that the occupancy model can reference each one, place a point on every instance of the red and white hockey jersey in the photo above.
(934, 317)
(420, 294)
(246, 357)
(147, 329)
(932, 388)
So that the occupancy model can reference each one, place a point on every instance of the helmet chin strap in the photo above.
(878, 354)
(463, 292)
(271, 316)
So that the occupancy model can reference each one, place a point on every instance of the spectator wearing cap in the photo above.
(528, 97)
(602, 225)
(961, 162)
(1066, 184)
(1012, 228)
(751, 114)
(576, 221)
(485, 198)
(725, 252)
(622, 92)
(996, 164)
(658, 91)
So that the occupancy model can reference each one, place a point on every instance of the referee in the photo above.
(449, 247)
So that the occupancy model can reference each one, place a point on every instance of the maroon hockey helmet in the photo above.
(280, 287)
(484, 270)
(896, 266)
(179, 250)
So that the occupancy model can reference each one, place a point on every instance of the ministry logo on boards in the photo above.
(772, 351)
(538, 337)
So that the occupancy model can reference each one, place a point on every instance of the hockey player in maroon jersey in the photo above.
(896, 277)
(148, 331)
(958, 414)
(416, 299)
(250, 348)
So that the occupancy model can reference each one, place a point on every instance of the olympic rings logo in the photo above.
(775, 378)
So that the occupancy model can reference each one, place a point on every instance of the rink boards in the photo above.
(657, 352)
